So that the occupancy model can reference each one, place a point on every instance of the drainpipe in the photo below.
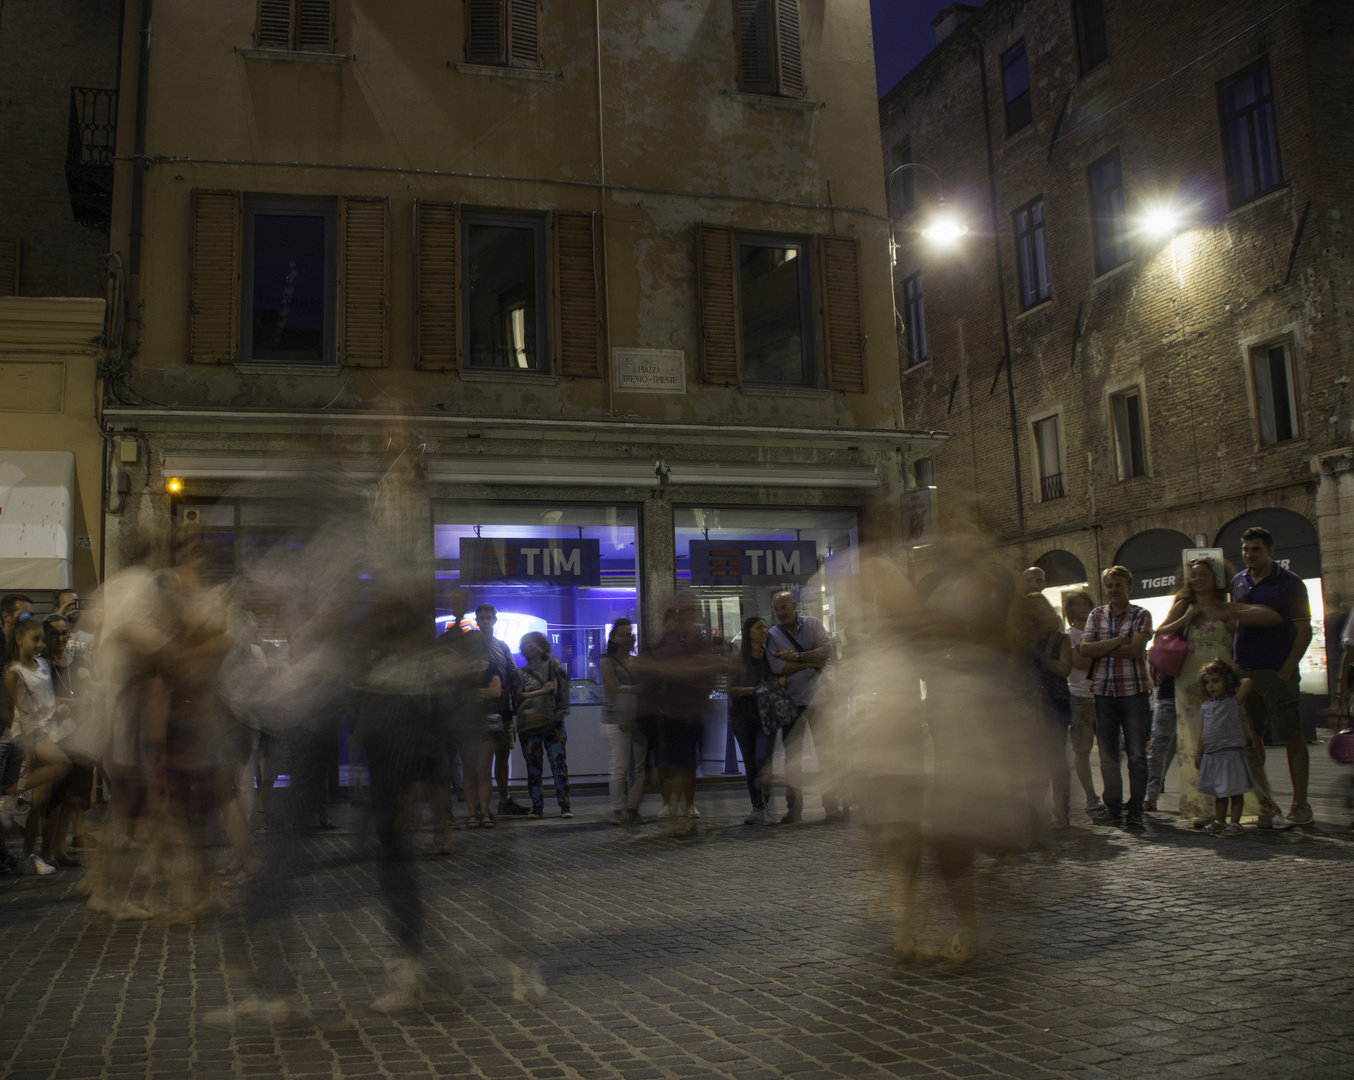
(1001, 285)
(601, 218)
(138, 176)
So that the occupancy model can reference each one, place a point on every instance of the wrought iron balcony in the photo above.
(91, 144)
(1051, 486)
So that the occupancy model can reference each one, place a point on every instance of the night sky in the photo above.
(903, 35)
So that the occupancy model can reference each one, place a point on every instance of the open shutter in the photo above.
(843, 329)
(364, 274)
(436, 299)
(753, 32)
(789, 52)
(275, 20)
(578, 294)
(9, 266)
(524, 33)
(214, 277)
(716, 288)
(315, 25)
(484, 31)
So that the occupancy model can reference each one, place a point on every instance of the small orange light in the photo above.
(174, 485)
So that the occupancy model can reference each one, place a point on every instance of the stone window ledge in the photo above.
(770, 390)
(505, 72)
(775, 101)
(248, 367)
(534, 378)
(294, 55)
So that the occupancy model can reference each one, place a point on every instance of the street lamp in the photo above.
(945, 227)
(1160, 220)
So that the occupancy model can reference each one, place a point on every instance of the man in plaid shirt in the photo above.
(1116, 640)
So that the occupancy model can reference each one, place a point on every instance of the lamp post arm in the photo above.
(888, 184)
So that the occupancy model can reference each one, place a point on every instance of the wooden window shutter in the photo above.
(717, 292)
(578, 295)
(843, 327)
(789, 51)
(755, 73)
(214, 277)
(484, 31)
(524, 33)
(436, 297)
(364, 277)
(315, 25)
(275, 24)
(9, 266)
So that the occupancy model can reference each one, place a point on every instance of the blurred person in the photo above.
(748, 669)
(1343, 672)
(470, 695)
(541, 724)
(12, 605)
(501, 663)
(1047, 660)
(797, 648)
(1033, 580)
(70, 795)
(1116, 640)
(649, 695)
(941, 754)
(1077, 607)
(1220, 756)
(626, 744)
(28, 679)
(1208, 621)
(1163, 742)
(1269, 656)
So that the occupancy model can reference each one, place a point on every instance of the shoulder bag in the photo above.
(1167, 653)
(536, 714)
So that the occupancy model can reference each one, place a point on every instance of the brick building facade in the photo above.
(1164, 386)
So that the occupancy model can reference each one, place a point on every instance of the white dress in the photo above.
(35, 701)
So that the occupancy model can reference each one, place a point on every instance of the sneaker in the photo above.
(1135, 821)
(757, 817)
(1301, 814)
(566, 813)
(535, 815)
(665, 813)
(631, 817)
(8, 863)
(1092, 803)
(1274, 821)
(1149, 806)
(694, 812)
(512, 807)
(1105, 816)
(34, 865)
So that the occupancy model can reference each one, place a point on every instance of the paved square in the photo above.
(589, 951)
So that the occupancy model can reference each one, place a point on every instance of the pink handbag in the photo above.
(1167, 653)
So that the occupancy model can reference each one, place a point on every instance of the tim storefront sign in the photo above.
(733, 562)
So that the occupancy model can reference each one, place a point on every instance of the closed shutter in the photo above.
(716, 289)
(755, 74)
(789, 58)
(9, 266)
(315, 25)
(364, 274)
(275, 20)
(484, 31)
(436, 298)
(524, 33)
(214, 277)
(578, 295)
(843, 328)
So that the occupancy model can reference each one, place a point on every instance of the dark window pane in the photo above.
(1107, 213)
(1032, 254)
(904, 185)
(925, 469)
(1137, 455)
(289, 284)
(1015, 77)
(1092, 46)
(501, 297)
(916, 320)
(772, 311)
(1283, 402)
(1249, 135)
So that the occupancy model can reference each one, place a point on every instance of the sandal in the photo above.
(1232, 829)
(1213, 828)
(486, 821)
(473, 822)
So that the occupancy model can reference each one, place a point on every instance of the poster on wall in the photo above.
(739, 562)
(919, 516)
(486, 561)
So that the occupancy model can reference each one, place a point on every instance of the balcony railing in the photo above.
(91, 144)
(1051, 486)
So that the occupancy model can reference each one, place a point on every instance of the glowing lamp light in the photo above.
(945, 228)
(174, 485)
(1161, 220)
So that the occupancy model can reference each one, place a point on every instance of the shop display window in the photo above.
(565, 570)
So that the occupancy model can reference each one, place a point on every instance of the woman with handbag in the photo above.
(540, 726)
(749, 669)
(1205, 620)
(620, 727)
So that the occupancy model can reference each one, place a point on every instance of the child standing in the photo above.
(1221, 757)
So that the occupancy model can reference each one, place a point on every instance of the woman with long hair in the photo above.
(748, 668)
(1207, 620)
(620, 727)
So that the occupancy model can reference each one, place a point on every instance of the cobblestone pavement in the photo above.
(589, 951)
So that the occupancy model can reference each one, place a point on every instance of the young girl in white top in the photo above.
(29, 682)
(1221, 756)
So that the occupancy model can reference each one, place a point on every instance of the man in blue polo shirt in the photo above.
(1269, 657)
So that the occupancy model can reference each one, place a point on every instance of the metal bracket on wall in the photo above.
(995, 376)
(1297, 239)
(954, 386)
(1058, 125)
(1077, 328)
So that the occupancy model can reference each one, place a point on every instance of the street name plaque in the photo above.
(649, 371)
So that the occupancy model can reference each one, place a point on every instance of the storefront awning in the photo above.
(1296, 546)
(1156, 557)
(37, 511)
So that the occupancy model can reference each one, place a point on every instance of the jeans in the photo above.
(552, 743)
(1163, 744)
(1129, 718)
(756, 748)
(627, 751)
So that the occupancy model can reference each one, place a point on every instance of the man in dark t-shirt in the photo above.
(1269, 657)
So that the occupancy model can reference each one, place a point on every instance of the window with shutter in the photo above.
(9, 266)
(839, 258)
(789, 58)
(435, 286)
(503, 302)
(214, 276)
(364, 274)
(484, 34)
(275, 24)
(770, 55)
(716, 289)
(315, 25)
(578, 295)
(506, 32)
(524, 37)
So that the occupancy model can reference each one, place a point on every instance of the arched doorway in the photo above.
(1156, 557)
(1296, 546)
(1061, 568)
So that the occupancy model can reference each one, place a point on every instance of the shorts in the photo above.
(1083, 724)
(506, 739)
(1274, 700)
